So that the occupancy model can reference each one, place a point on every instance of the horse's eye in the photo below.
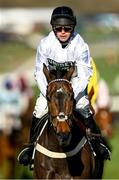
(48, 98)
(70, 95)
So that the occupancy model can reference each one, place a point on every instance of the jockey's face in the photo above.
(63, 33)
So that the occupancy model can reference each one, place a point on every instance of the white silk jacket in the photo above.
(51, 53)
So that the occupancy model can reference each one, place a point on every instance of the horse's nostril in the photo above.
(62, 116)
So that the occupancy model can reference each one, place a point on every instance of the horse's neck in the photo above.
(51, 142)
(76, 135)
(48, 138)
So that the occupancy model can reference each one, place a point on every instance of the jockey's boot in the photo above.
(25, 156)
(98, 142)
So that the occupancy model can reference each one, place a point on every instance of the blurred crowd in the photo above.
(15, 94)
(98, 90)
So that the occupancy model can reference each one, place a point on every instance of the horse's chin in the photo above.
(64, 139)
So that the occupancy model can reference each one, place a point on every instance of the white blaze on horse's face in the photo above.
(60, 90)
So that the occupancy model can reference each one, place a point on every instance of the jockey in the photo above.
(98, 91)
(10, 107)
(93, 84)
(103, 100)
(61, 49)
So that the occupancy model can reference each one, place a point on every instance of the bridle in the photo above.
(59, 80)
(61, 117)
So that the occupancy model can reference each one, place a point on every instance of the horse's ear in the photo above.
(69, 73)
(49, 76)
(46, 72)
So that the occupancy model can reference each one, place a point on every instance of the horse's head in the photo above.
(60, 104)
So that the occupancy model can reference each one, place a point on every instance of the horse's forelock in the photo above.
(57, 74)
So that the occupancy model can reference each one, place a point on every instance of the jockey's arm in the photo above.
(84, 71)
(39, 75)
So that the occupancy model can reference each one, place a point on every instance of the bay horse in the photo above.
(103, 117)
(62, 150)
(104, 120)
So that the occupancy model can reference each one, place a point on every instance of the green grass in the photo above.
(112, 167)
(97, 34)
(108, 70)
(108, 64)
(12, 54)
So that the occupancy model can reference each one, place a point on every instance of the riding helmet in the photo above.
(63, 16)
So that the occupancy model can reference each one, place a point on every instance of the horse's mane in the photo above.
(58, 73)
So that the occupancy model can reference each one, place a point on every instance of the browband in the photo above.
(57, 80)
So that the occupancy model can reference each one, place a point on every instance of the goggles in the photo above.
(65, 28)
